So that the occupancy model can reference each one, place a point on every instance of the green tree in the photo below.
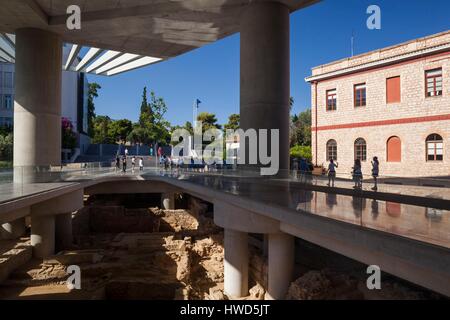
(298, 151)
(146, 115)
(208, 120)
(101, 130)
(119, 130)
(6, 147)
(92, 94)
(300, 129)
(152, 126)
(233, 122)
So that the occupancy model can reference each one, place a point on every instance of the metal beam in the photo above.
(4, 49)
(74, 51)
(6, 57)
(142, 62)
(9, 39)
(89, 57)
(104, 59)
(123, 59)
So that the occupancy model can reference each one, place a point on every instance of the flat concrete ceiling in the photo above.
(157, 28)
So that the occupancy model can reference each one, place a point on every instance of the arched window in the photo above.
(435, 147)
(394, 149)
(331, 150)
(360, 149)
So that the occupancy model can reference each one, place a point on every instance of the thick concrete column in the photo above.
(236, 263)
(43, 236)
(37, 108)
(265, 83)
(281, 265)
(12, 230)
(63, 231)
(168, 201)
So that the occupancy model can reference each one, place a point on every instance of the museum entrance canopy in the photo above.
(126, 34)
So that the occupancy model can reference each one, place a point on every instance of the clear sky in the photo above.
(319, 34)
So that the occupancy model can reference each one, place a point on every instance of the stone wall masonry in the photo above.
(378, 121)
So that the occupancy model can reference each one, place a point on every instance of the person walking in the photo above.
(133, 163)
(332, 172)
(126, 152)
(124, 164)
(357, 174)
(141, 164)
(117, 162)
(375, 171)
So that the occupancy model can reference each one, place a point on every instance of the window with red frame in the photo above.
(433, 82)
(331, 100)
(360, 95)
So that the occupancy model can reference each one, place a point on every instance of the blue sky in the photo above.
(319, 34)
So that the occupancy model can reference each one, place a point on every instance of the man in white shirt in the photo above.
(332, 172)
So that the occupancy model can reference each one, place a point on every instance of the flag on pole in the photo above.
(197, 102)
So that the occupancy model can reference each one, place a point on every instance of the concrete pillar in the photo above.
(168, 201)
(236, 263)
(281, 265)
(13, 230)
(43, 236)
(37, 108)
(265, 83)
(63, 231)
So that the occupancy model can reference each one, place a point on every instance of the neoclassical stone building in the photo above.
(393, 103)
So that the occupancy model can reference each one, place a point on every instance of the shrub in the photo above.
(298, 151)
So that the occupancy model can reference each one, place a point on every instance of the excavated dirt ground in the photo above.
(127, 249)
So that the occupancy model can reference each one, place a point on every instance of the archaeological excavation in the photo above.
(127, 247)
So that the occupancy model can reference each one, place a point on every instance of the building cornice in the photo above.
(381, 62)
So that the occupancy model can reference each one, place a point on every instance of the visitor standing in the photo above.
(332, 172)
(133, 163)
(141, 164)
(375, 171)
(357, 174)
(117, 162)
(124, 164)
(126, 152)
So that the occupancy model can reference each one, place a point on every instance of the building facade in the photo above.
(393, 103)
(74, 94)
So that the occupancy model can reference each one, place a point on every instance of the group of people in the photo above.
(356, 173)
(123, 163)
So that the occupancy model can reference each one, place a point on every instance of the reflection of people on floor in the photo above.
(359, 205)
(375, 209)
(331, 200)
(357, 174)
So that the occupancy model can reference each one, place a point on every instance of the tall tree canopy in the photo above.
(92, 94)
(300, 131)
(152, 126)
(233, 122)
(209, 121)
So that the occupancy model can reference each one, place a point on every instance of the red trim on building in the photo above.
(383, 122)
